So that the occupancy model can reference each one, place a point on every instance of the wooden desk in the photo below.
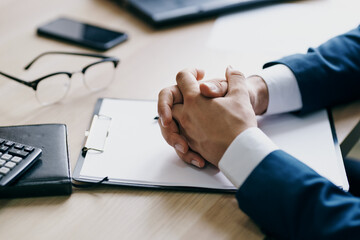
(149, 62)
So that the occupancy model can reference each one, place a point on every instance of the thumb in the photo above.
(214, 88)
(236, 81)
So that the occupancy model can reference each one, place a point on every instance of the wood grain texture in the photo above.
(149, 62)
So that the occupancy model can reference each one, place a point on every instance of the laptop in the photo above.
(165, 12)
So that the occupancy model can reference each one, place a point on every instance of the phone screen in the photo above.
(82, 33)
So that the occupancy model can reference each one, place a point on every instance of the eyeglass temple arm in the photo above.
(65, 53)
(29, 84)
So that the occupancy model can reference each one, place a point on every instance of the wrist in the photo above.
(259, 94)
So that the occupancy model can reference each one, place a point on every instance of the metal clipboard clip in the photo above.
(97, 135)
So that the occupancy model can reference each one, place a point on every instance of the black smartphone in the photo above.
(83, 34)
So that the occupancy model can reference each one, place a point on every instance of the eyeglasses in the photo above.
(54, 87)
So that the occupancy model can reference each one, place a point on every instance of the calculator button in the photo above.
(16, 159)
(3, 148)
(9, 143)
(19, 146)
(28, 149)
(19, 153)
(4, 170)
(10, 165)
(6, 156)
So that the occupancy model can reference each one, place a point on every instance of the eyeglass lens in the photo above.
(99, 75)
(53, 89)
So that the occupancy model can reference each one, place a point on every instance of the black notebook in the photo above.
(50, 175)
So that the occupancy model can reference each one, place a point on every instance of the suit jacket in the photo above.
(285, 197)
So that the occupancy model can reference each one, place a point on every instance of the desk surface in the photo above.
(145, 68)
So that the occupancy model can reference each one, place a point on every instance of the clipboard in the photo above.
(124, 147)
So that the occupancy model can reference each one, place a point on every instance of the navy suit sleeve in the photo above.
(327, 75)
(289, 200)
(286, 198)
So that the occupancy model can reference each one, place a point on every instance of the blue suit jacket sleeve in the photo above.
(289, 200)
(327, 75)
(285, 197)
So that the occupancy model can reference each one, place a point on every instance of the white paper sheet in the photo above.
(135, 151)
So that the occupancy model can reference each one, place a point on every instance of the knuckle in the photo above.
(163, 93)
(180, 75)
(217, 83)
(223, 83)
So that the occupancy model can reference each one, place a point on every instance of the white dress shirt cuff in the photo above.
(242, 156)
(284, 92)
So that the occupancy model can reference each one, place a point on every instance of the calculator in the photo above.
(15, 159)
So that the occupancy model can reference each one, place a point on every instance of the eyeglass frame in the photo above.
(34, 83)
